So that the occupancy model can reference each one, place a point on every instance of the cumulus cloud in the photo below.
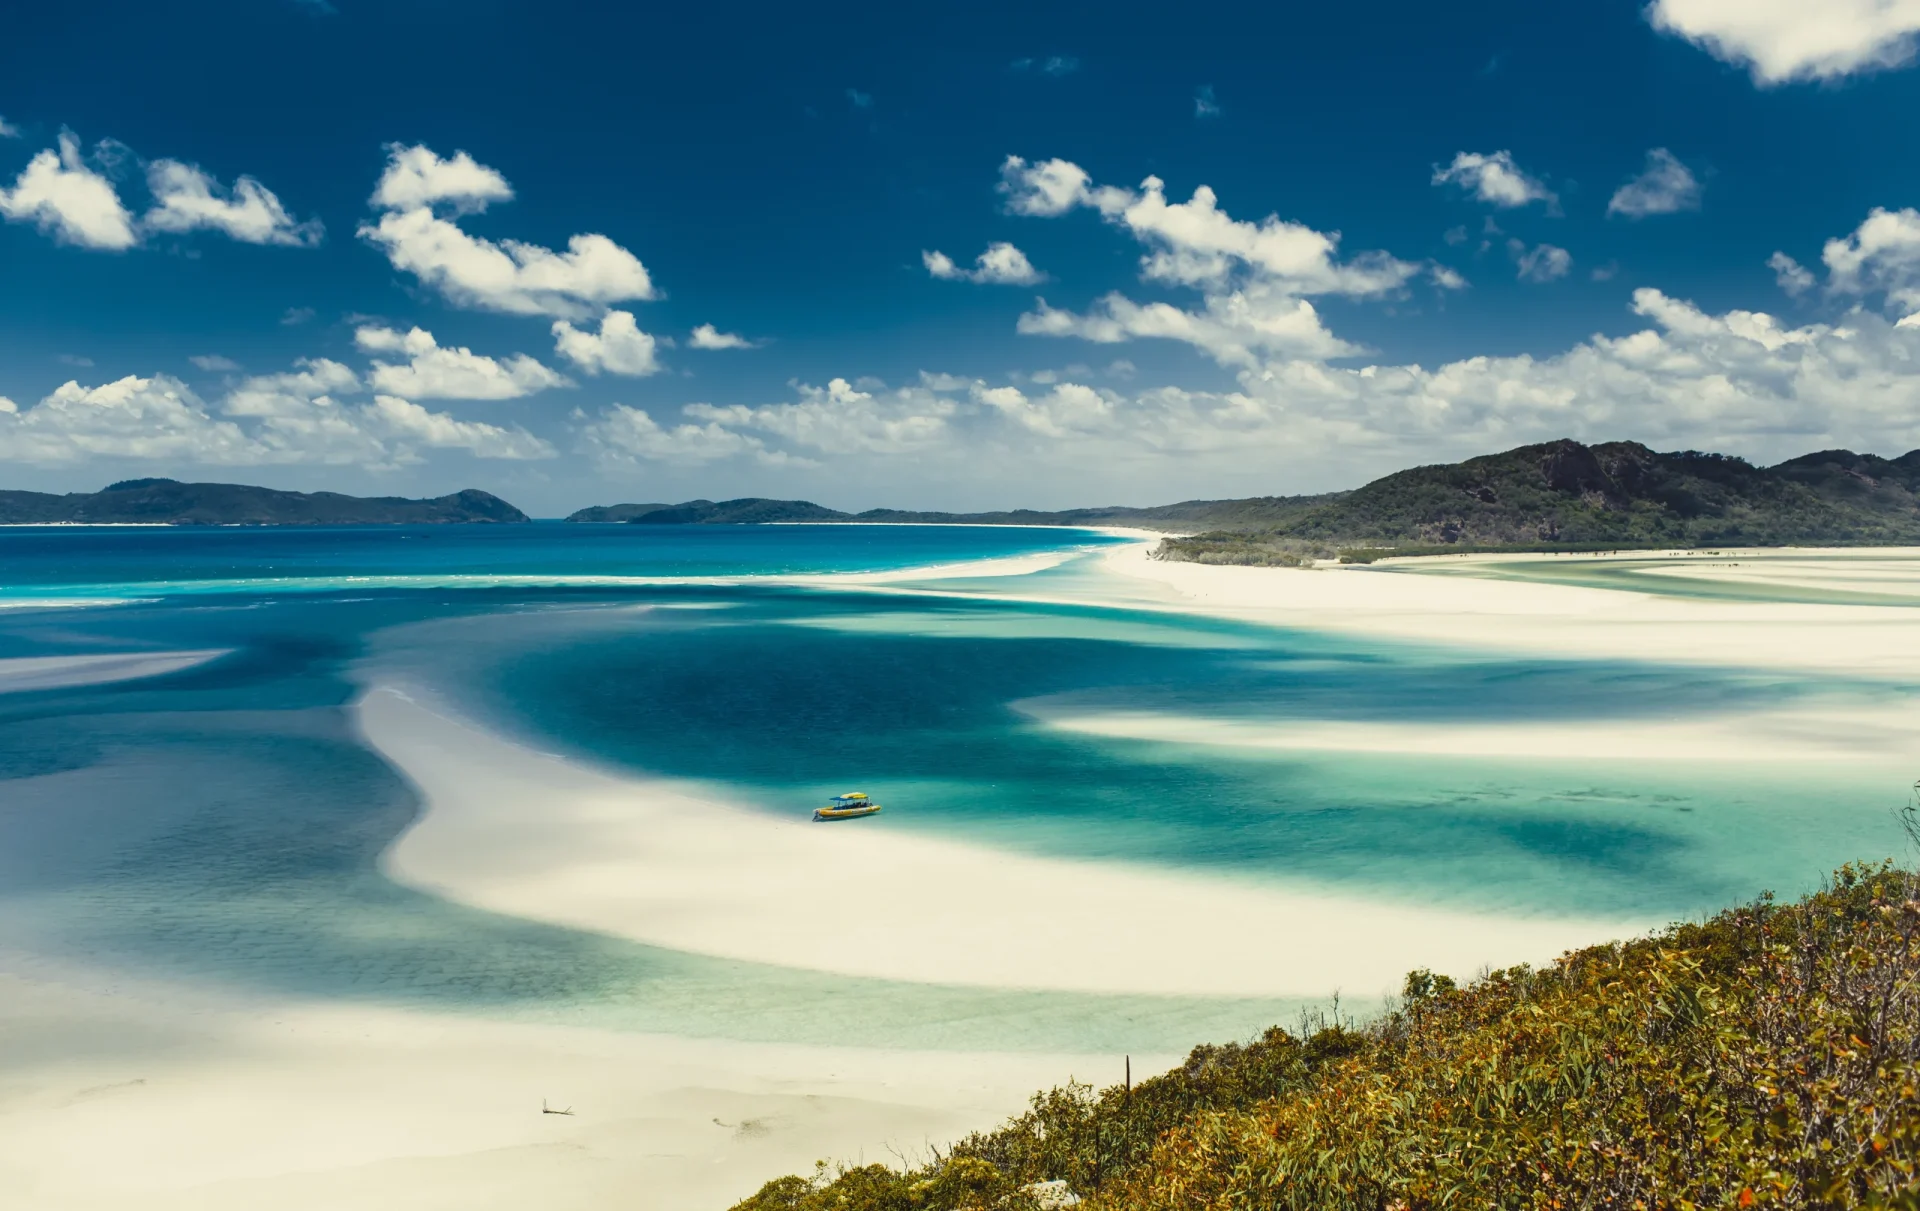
(1066, 410)
(416, 177)
(1881, 256)
(1665, 187)
(619, 347)
(468, 271)
(842, 418)
(434, 372)
(1738, 380)
(73, 201)
(8, 130)
(1792, 276)
(1254, 278)
(213, 363)
(1001, 264)
(1053, 187)
(1544, 263)
(1779, 41)
(1494, 179)
(188, 199)
(410, 423)
(706, 336)
(625, 435)
(65, 197)
(1236, 328)
(133, 418)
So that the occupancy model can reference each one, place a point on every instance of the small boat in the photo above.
(850, 806)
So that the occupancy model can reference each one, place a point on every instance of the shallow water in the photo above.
(222, 824)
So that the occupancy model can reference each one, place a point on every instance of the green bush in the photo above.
(1768, 1057)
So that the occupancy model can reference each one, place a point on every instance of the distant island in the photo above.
(1556, 496)
(170, 502)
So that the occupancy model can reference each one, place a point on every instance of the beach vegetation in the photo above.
(1766, 1057)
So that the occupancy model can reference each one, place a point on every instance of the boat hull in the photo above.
(845, 813)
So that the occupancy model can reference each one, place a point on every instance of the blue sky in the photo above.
(944, 255)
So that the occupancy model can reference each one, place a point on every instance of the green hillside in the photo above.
(1769, 1057)
(1563, 495)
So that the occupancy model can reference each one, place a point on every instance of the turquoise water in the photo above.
(222, 824)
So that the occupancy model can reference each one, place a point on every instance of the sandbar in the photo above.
(662, 862)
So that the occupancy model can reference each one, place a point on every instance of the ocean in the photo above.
(223, 824)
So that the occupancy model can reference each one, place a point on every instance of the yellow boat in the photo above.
(850, 806)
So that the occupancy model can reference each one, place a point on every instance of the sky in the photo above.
(944, 255)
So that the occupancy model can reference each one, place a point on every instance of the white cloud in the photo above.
(267, 419)
(409, 422)
(1237, 328)
(1494, 179)
(187, 199)
(706, 336)
(1446, 278)
(1544, 263)
(69, 200)
(841, 418)
(1196, 243)
(142, 418)
(509, 276)
(213, 363)
(1001, 264)
(1254, 278)
(1053, 187)
(1741, 381)
(1881, 256)
(624, 434)
(434, 372)
(8, 130)
(618, 348)
(1204, 103)
(296, 315)
(1066, 410)
(416, 177)
(1665, 187)
(1790, 274)
(1779, 41)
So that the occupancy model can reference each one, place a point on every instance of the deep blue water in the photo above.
(223, 823)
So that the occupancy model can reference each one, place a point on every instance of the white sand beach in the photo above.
(1443, 602)
(653, 861)
(120, 1096)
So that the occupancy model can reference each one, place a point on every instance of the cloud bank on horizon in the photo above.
(1270, 336)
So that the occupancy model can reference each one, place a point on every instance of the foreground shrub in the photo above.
(1769, 1057)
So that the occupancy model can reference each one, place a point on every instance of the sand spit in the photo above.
(530, 835)
(21, 674)
(1464, 610)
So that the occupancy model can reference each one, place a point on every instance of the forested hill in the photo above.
(1566, 495)
(1558, 495)
(758, 510)
(169, 502)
